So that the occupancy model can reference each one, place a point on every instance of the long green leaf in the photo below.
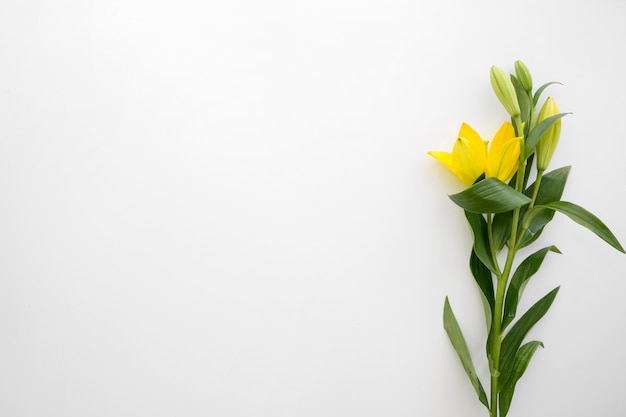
(551, 189)
(552, 185)
(484, 279)
(481, 240)
(516, 334)
(501, 225)
(526, 269)
(529, 168)
(522, 98)
(535, 135)
(586, 219)
(522, 359)
(460, 346)
(489, 196)
(540, 90)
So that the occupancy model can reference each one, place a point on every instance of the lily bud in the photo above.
(549, 140)
(523, 75)
(503, 87)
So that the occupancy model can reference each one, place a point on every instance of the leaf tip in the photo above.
(555, 250)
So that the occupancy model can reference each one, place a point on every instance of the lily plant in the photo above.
(506, 213)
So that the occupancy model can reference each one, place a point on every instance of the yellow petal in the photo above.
(503, 155)
(469, 155)
(443, 157)
(504, 133)
(469, 133)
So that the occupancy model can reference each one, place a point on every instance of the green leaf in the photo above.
(533, 223)
(586, 219)
(481, 240)
(540, 90)
(529, 166)
(460, 346)
(526, 269)
(482, 276)
(535, 134)
(522, 98)
(522, 359)
(501, 225)
(516, 334)
(551, 189)
(552, 185)
(489, 196)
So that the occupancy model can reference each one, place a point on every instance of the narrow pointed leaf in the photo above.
(522, 98)
(526, 269)
(516, 334)
(535, 135)
(484, 279)
(501, 227)
(529, 168)
(552, 185)
(522, 359)
(540, 90)
(489, 196)
(502, 221)
(586, 219)
(460, 346)
(481, 240)
(551, 189)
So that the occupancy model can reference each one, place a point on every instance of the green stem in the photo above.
(531, 204)
(503, 281)
(536, 188)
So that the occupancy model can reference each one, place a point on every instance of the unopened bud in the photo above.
(523, 75)
(503, 87)
(549, 140)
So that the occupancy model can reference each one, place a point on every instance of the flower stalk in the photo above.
(502, 284)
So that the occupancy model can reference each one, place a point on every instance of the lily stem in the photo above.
(536, 188)
(531, 204)
(503, 280)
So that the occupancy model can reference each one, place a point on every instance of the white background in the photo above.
(227, 209)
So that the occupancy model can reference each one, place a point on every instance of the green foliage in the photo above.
(515, 336)
(522, 98)
(489, 196)
(524, 271)
(540, 90)
(586, 219)
(484, 279)
(502, 221)
(550, 190)
(501, 229)
(481, 239)
(522, 359)
(535, 134)
(451, 326)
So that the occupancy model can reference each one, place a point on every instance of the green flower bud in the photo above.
(549, 140)
(503, 87)
(523, 75)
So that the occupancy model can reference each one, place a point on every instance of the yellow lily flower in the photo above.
(468, 156)
(503, 154)
(471, 156)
